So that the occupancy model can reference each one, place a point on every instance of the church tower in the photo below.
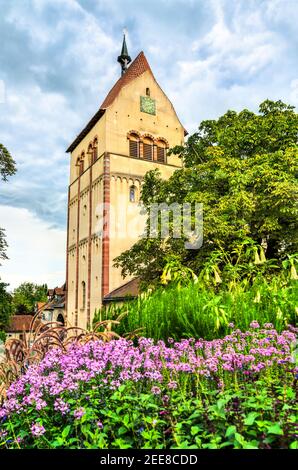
(128, 136)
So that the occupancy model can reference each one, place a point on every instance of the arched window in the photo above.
(78, 166)
(148, 148)
(90, 155)
(132, 194)
(147, 91)
(161, 151)
(95, 150)
(82, 163)
(83, 294)
(134, 145)
(60, 319)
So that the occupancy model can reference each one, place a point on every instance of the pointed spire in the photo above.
(124, 51)
(124, 59)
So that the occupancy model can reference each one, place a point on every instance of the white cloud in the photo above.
(244, 46)
(37, 112)
(36, 251)
(236, 64)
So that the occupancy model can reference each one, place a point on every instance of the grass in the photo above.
(199, 311)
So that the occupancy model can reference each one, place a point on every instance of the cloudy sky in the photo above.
(58, 60)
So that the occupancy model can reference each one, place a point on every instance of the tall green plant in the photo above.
(198, 310)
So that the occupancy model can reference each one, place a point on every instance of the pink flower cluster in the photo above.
(61, 374)
(37, 429)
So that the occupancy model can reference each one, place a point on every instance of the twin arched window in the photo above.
(147, 149)
(92, 153)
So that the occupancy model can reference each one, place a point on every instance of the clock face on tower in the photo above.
(147, 105)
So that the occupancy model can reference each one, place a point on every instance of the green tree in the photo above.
(7, 164)
(5, 306)
(243, 168)
(7, 168)
(3, 244)
(26, 295)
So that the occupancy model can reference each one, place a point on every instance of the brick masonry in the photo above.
(89, 246)
(106, 226)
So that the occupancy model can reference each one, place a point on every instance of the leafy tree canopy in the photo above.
(243, 168)
(5, 306)
(7, 164)
(7, 168)
(3, 244)
(26, 295)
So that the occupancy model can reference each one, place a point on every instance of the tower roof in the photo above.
(124, 52)
(136, 69)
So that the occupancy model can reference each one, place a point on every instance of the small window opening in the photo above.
(132, 194)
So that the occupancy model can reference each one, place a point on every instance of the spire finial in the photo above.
(124, 59)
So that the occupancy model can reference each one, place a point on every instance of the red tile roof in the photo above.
(40, 305)
(59, 291)
(136, 69)
(20, 323)
(129, 289)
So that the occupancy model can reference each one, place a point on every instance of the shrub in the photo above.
(2, 336)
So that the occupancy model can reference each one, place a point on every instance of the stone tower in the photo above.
(128, 136)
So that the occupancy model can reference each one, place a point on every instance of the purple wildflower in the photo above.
(108, 365)
(166, 399)
(37, 430)
(155, 390)
(79, 413)
(61, 405)
(172, 385)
